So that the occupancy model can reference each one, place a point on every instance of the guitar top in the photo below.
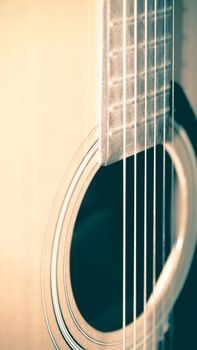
(98, 180)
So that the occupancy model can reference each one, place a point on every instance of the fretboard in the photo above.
(156, 73)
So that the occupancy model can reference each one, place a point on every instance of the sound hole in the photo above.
(96, 249)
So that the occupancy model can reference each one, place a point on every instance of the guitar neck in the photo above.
(147, 80)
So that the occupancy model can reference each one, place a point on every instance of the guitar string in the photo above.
(171, 332)
(164, 167)
(154, 176)
(135, 180)
(124, 32)
(145, 175)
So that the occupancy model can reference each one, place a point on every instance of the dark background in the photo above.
(185, 313)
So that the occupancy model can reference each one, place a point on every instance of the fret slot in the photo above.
(116, 90)
(139, 98)
(139, 75)
(115, 139)
(116, 115)
(118, 22)
(116, 7)
(119, 130)
(131, 48)
(116, 31)
(115, 61)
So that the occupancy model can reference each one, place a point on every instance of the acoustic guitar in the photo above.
(98, 180)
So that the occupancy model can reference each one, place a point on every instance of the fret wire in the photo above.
(124, 171)
(117, 130)
(135, 182)
(140, 74)
(131, 48)
(145, 179)
(151, 14)
(140, 98)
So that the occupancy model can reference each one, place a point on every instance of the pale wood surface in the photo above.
(48, 105)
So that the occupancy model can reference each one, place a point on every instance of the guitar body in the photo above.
(53, 68)
(49, 95)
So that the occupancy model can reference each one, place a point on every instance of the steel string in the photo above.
(124, 167)
(135, 177)
(171, 332)
(154, 175)
(164, 167)
(145, 175)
